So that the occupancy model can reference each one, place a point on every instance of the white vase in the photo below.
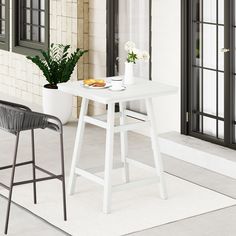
(129, 73)
(57, 103)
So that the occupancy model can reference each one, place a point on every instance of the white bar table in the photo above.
(143, 90)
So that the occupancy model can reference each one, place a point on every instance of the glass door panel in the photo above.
(209, 8)
(207, 83)
(133, 24)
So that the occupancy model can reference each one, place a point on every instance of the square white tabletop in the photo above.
(141, 90)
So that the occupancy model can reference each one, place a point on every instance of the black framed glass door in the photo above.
(128, 20)
(207, 70)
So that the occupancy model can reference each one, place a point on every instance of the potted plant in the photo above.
(57, 65)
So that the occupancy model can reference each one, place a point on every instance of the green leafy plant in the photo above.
(57, 64)
(132, 57)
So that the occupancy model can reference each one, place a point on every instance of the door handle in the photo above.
(224, 50)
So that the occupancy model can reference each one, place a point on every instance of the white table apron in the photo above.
(134, 92)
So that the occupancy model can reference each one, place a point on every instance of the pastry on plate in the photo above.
(95, 82)
(89, 82)
(99, 84)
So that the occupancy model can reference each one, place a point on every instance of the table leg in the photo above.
(156, 148)
(109, 158)
(124, 142)
(78, 145)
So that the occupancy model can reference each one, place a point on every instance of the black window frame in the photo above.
(112, 49)
(4, 42)
(229, 60)
(28, 47)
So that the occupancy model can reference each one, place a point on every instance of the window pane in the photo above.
(196, 10)
(221, 129)
(3, 10)
(28, 32)
(197, 44)
(209, 126)
(2, 28)
(28, 3)
(209, 92)
(32, 21)
(42, 4)
(42, 35)
(221, 11)
(209, 46)
(3, 21)
(35, 17)
(209, 11)
(42, 18)
(221, 94)
(35, 4)
(35, 33)
(28, 16)
(220, 46)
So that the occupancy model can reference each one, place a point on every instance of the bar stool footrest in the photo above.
(38, 180)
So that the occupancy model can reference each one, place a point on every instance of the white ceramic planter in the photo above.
(129, 73)
(57, 103)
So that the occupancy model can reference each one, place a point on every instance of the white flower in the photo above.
(138, 52)
(145, 56)
(129, 46)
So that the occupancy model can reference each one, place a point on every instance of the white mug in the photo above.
(116, 84)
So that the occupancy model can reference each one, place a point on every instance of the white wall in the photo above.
(166, 62)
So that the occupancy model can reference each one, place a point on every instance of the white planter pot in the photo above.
(57, 103)
(129, 73)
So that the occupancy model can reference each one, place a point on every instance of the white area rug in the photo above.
(135, 208)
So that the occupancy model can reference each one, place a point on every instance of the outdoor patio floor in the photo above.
(22, 222)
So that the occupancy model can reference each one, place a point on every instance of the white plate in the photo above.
(117, 90)
(91, 87)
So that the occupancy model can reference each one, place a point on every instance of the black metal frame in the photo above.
(35, 167)
(186, 75)
(184, 66)
(112, 50)
(4, 41)
(27, 47)
(110, 19)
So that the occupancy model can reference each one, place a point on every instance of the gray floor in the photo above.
(217, 223)
(22, 222)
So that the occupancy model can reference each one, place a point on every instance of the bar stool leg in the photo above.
(34, 170)
(156, 148)
(109, 158)
(78, 145)
(124, 143)
(11, 184)
(63, 175)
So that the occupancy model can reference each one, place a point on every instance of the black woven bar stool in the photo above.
(15, 118)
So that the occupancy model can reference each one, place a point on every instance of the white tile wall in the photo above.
(18, 76)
